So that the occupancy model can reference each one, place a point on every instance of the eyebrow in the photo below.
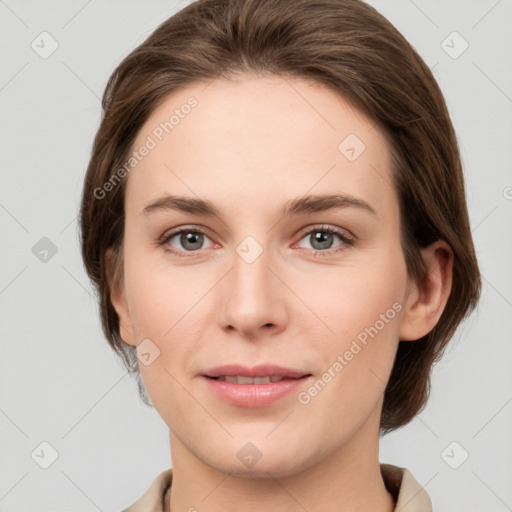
(301, 205)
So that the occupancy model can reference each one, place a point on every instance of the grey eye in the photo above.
(188, 240)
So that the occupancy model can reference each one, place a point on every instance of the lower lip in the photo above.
(254, 395)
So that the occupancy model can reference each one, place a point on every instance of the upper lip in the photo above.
(261, 370)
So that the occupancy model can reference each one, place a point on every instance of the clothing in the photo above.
(407, 492)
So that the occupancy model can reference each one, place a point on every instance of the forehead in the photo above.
(257, 137)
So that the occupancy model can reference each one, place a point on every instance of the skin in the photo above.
(250, 145)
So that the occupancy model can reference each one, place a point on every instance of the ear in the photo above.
(118, 297)
(426, 300)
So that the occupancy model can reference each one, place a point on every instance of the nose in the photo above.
(253, 297)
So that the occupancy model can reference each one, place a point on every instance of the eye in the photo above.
(191, 240)
(186, 240)
(321, 239)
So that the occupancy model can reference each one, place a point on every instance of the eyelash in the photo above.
(346, 238)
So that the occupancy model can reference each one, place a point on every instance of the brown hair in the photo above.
(344, 44)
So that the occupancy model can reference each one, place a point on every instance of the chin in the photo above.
(262, 469)
(259, 460)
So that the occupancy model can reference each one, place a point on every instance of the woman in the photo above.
(275, 220)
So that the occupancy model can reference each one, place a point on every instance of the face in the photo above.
(278, 276)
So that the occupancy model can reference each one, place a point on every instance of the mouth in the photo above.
(259, 386)
(244, 379)
(260, 374)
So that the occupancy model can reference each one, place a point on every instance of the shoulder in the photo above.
(409, 495)
(153, 499)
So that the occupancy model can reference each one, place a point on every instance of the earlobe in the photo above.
(118, 297)
(426, 301)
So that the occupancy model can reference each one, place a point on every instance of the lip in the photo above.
(254, 395)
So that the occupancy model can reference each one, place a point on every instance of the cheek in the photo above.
(352, 298)
(362, 305)
(162, 298)
(355, 366)
(167, 306)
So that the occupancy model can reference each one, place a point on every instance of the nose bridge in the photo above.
(251, 296)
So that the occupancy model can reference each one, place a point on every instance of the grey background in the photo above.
(59, 381)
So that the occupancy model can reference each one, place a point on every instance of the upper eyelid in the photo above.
(326, 227)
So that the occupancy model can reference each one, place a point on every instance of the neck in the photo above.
(348, 479)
